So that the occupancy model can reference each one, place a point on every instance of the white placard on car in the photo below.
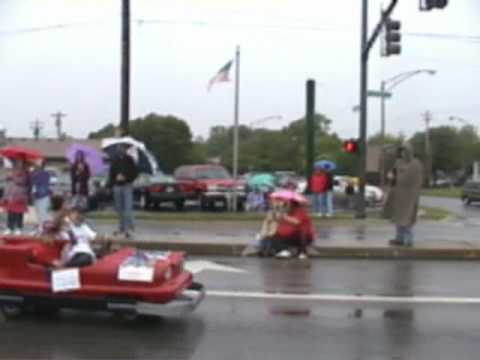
(143, 273)
(65, 280)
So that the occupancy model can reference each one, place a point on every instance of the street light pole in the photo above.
(382, 135)
(389, 85)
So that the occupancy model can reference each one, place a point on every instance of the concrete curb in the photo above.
(337, 252)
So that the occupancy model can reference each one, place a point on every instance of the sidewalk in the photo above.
(452, 239)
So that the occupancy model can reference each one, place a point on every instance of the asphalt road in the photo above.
(455, 206)
(266, 309)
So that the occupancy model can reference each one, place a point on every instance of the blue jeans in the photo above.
(325, 203)
(405, 234)
(42, 206)
(317, 203)
(123, 198)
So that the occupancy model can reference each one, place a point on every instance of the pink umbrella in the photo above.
(289, 195)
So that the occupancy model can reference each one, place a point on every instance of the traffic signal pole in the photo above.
(310, 129)
(366, 45)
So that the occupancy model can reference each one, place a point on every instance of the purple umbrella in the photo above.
(92, 157)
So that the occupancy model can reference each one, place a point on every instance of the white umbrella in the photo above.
(143, 157)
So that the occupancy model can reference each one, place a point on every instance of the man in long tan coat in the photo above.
(402, 202)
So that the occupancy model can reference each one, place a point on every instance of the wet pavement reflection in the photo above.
(81, 335)
(292, 277)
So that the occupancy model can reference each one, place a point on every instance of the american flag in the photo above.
(221, 76)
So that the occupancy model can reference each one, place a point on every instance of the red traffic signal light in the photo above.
(350, 146)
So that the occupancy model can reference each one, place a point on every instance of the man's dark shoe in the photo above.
(396, 242)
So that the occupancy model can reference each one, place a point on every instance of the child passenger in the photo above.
(71, 226)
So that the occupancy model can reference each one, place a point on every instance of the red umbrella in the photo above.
(19, 152)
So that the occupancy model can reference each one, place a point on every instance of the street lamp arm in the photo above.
(397, 79)
(265, 119)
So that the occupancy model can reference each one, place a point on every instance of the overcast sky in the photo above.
(179, 47)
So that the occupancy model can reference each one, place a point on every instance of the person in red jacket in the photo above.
(318, 187)
(294, 229)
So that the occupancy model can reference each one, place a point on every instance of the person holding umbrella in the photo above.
(321, 184)
(80, 175)
(318, 187)
(123, 171)
(16, 196)
(294, 226)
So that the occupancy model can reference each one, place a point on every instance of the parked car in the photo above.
(152, 190)
(373, 194)
(211, 185)
(470, 192)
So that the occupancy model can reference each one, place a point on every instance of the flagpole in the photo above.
(235, 127)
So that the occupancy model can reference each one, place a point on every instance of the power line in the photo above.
(200, 23)
(327, 28)
(47, 28)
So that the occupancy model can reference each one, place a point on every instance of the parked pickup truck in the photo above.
(211, 185)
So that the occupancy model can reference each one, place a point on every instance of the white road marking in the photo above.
(379, 299)
(197, 266)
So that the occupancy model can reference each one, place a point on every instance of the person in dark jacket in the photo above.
(80, 175)
(123, 171)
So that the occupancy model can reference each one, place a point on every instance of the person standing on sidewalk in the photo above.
(41, 192)
(16, 196)
(318, 187)
(123, 171)
(80, 175)
(402, 201)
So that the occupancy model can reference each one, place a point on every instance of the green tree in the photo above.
(446, 149)
(106, 131)
(389, 139)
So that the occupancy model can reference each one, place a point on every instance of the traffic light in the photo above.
(392, 37)
(428, 5)
(350, 146)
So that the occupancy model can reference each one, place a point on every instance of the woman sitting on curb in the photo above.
(286, 225)
(294, 230)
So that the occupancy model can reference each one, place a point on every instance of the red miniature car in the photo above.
(126, 281)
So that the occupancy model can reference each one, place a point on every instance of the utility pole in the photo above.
(427, 117)
(58, 123)
(235, 127)
(362, 173)
(125, 71)
(37, 127)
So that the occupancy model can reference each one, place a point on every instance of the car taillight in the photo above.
(155, 188)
